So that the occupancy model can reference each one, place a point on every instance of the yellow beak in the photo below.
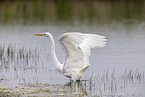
(39, 34)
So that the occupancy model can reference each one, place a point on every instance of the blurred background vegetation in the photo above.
(71, 12)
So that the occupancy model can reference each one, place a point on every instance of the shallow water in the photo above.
(116, 70)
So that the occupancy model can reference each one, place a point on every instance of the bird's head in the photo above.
(46, 34)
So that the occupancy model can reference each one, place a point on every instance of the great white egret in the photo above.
(77, 47)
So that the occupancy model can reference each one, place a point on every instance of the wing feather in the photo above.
(78, 49)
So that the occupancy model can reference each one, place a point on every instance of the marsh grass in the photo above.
(133, 75)
(107, 83)
(15, 62)
(95, 86)
(17, 58)
(23, 62)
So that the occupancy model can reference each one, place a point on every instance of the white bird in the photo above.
(77, 47)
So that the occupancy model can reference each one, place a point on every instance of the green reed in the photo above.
(109, 83)
(105, 84)
(10, 56)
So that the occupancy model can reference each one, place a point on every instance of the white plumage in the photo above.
(77, 47)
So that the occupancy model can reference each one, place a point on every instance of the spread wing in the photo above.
(77, 47)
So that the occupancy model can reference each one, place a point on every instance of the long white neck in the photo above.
(57, 64)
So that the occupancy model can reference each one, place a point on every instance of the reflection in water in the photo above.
(76, 87)
(0, 52)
